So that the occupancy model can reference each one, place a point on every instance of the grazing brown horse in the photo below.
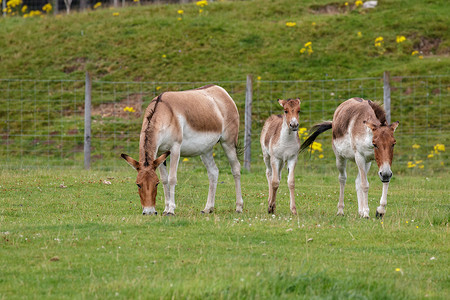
(280, 144)
(360, 133)
(186, 123)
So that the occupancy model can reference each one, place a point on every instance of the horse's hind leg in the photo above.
(341, 164)
(268, 174)
(230, 151)
(213, 175)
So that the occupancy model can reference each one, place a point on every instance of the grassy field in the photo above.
(67, 234)
(149, 43)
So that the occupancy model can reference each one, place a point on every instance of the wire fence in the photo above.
(43, 120)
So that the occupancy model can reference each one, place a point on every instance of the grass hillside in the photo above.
(228, 40)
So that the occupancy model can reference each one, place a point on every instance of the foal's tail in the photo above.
(316, 130)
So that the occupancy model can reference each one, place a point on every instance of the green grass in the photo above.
(89, 240)
(242, 37)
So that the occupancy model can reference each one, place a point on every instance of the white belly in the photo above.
(197, 143)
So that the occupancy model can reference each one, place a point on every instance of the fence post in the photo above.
(4, 8)
(387, 95)
(87, 122)
(248, 122)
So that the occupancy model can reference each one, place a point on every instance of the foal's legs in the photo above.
(341, 164)
(276, 166)
(291, 183)
(230, 151)
(213, 175)
(268, 173)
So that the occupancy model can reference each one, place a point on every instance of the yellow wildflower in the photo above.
(164, 56)
(129, 109)
(439, 148)
(411, 165)
(290, 24)
(358, 3)
(431, 155)
(415, 52)
(158, 88)
(47, 8)
(200, 11)
(415, 146)
(185, 159)
(397, 270)
(180, 11)
(419, 161)
(346, 3)
(115, 14)
(202, 3)
(421, 166)
(400, 39)
(359, 34)
(420, 56)
(313, 23)
(258, 78)
(24, 8)
(97, 5)
(321, 156)
(179, 18)
(302, 130)
(308, 44)
(302, 50)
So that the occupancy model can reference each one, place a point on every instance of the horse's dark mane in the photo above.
(147, 130)
(379, 112)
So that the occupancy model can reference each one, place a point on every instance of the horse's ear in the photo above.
(131, 161)
(371, 125)
(394, 125)
(282, 102)
(161, 159)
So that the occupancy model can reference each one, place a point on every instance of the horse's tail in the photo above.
(316, 130)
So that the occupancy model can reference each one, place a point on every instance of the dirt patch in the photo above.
(121, 109)
(76, 64)
(331, 8)
(428, 46)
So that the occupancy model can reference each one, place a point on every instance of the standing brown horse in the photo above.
(186, 123)
(360, 133)
(280, 143)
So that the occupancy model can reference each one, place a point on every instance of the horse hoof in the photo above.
(168, 214)
(379, 216)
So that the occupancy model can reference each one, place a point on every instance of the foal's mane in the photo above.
(379, 112)
(147, 130)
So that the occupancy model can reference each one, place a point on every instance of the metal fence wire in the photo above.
(42, 121)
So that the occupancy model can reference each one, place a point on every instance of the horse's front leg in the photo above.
(165, 182)
(172, 178)
(276, 164)
(381, 210)
(213, 175)
(291, 183)
(363, 195)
